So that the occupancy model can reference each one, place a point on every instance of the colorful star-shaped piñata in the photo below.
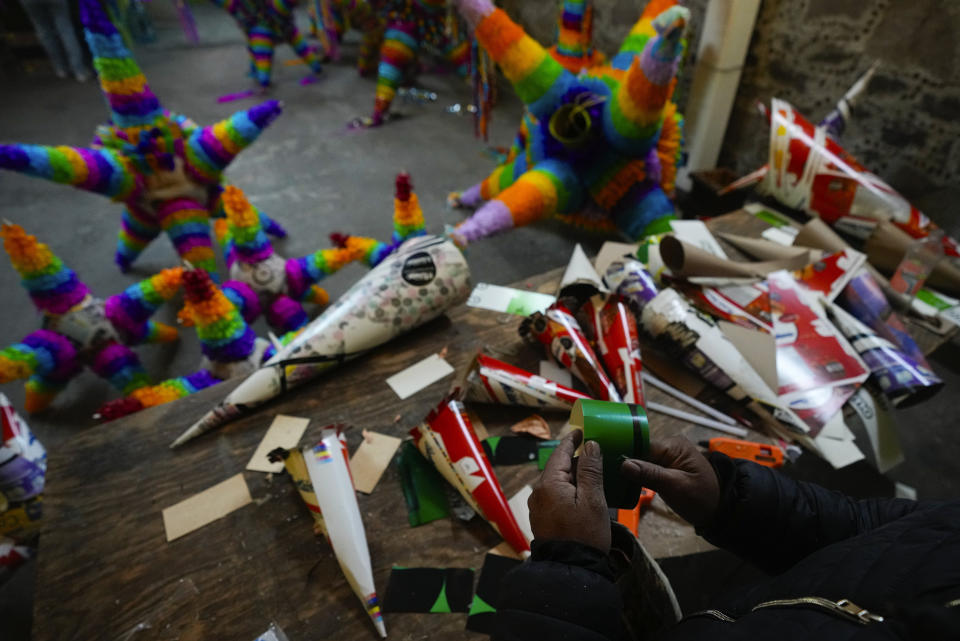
(163, 167)
(267, 23)
(599, 148)
(332, 18)
(78, 328)
(262, 280)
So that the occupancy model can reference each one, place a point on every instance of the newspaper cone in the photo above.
(326, 464)
(615, 335)
(427, 276)
(449, 428)
(558, 331)
(898, 375)
(491, 381)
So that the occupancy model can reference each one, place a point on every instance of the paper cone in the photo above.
(326, 464)
(580, 280)
(818, 235)
(686, 260)
(491, 381)
(422, 280)
(614, 329)
(450, 429)
(622, 431)
(886, 248)
(23, 460)
(761, 248)
(898, 375)
(296, 467)
(630, 279)
(559, 332)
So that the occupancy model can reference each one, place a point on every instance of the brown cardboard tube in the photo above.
(761, 248)
(818, 235)
(686, 260)
(885, 250)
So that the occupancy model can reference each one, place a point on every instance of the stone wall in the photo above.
(808, 52)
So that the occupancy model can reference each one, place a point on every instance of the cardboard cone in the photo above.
(898, 375)
(614, 330)
(560, 333)
(450, 428)
(489, 380)
(686, 260)
(818, 235)
(886, 248)
(425, 277)
(327, 467)
(761, 248)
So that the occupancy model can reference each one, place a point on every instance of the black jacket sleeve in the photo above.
(564, 592)
(773, 521)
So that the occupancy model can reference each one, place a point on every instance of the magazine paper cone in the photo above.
(489, 380)
(23, 459)
(686, 260)
(900, 378)
(560, 333)
(450, 430)
(580, 280)
(614, 330)
(886, 248)
(426, 277)
(629, 278)
(330, 476)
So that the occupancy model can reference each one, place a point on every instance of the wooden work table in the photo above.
(106, 571)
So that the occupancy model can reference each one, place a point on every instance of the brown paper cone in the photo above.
(689, 261)
(885, 250)
(818, 235)
(761, 248)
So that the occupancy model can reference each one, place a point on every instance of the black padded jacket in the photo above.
(894, 558)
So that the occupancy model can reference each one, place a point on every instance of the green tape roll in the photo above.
(622, 431)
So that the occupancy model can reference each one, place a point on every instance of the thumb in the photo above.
(590, 470)
(646, 474)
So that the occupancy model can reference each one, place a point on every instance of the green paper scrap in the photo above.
(441, 605)
(934, 300)
(493, 441)
(524, 304)
(622, 431)
(423, 487)
(771, 218)
(479, 606)
(543, 454)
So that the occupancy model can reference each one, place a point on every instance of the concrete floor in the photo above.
(315, 176)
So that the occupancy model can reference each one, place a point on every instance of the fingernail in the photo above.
(592, 448)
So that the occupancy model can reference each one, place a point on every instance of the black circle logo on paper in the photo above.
(419, 269)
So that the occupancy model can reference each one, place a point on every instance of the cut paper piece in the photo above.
(447, 438)
(817, 368)
(696, 233)
(898, 376)
(206, 507)
(580, 280)
(423, 487)
(285, 432)
(534, 425)
(518, 504)
(553, 372)
(838, 452)
(830, 274)
(768, 215)
(780, 236)
(511, 450)
(429, 590)
(420, 375)
(612, 251)
(508, 300)
(685, 260)
(428, 271)
(482, 613)
(273, 633)
(489, 380)
(330, 476)
(622, 431)
(560, 333)
(904, 491)
(371, 459)
(614, 331)
(877, 417)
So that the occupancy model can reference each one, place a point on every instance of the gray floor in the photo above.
(316, 177)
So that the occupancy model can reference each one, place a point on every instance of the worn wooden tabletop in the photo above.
(105, 570)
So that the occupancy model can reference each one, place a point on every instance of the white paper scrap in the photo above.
(881, 428)
(508, 300)
(408, 382)
(780, 235)
(697, 233)
(838, 452)
(518, 505)
(553, 372)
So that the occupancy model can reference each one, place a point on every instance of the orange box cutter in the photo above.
(761, 453)
(631, 518)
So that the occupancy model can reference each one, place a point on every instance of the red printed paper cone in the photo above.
(449, 427)
(561, 334)
(491, 381)
(615, 334)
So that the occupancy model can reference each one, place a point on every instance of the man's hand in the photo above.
(561, 510)
(681, 475)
